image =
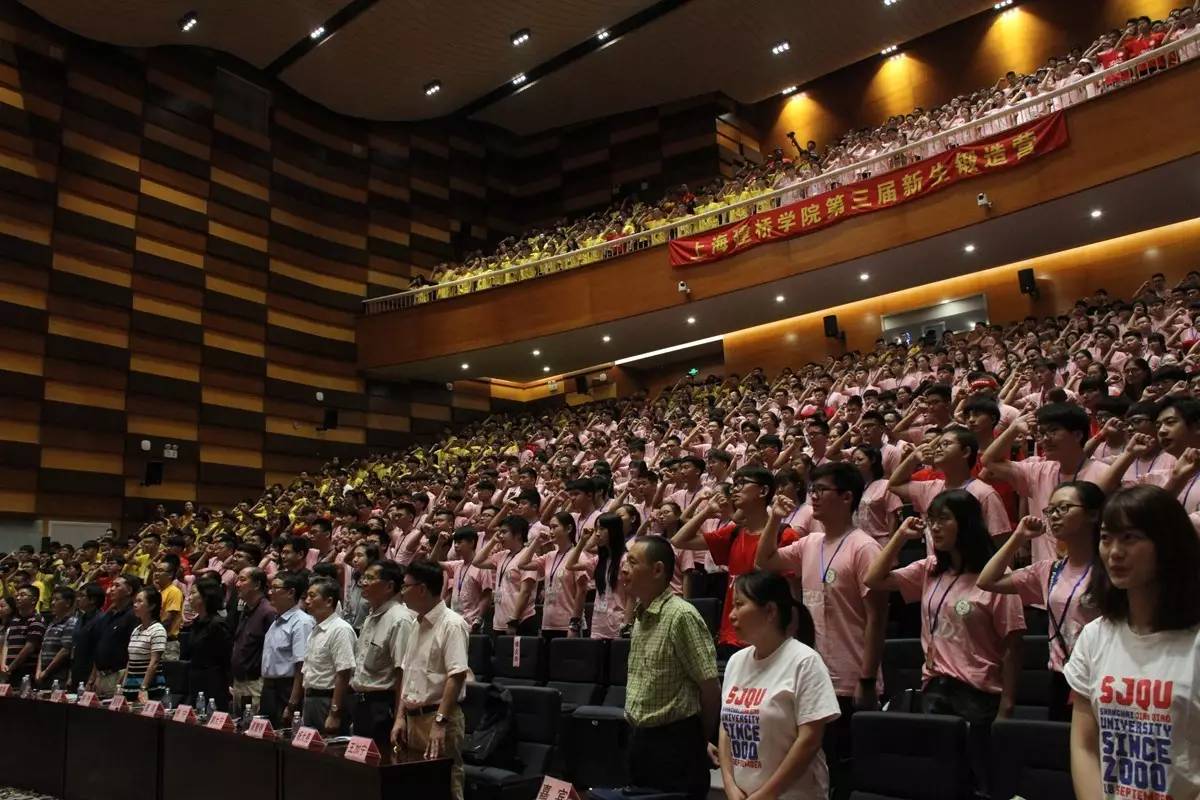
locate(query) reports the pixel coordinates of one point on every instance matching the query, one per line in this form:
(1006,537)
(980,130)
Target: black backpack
(493,743)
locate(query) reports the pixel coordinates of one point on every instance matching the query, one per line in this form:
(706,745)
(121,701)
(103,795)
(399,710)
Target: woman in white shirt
(1135,671)
(147,644)
(776,699)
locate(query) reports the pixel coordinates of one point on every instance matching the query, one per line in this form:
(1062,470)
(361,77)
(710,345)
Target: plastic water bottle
(296,723)
(212,708)
(55,686)
(201,708)
(247,716)
(80,689)
(166,699)
(26,687)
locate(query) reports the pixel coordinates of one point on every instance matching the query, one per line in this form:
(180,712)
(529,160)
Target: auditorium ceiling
(377,56)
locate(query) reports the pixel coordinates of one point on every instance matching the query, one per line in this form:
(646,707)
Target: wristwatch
(440,718)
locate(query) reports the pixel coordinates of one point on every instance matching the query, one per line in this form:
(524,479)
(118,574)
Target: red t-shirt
(737,553)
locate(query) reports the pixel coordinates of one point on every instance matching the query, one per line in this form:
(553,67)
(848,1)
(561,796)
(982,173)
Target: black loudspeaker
(154,474)
(581,384)
(331,419)
(831,327)
(1027,282)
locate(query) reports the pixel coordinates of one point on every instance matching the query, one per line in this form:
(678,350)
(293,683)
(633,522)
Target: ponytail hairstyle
(764,588)
(608,565)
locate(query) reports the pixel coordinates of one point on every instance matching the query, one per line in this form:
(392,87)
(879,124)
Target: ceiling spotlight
(520,37)
(970,248)
(1003,4)
(691,320)
(545,369)
(466,365)
(537,352)
(1097,213)
(432,88)
(887,51)
(781,48)
(779,298)
(789,90)
(864,276)
(606,338)
(188,21)
(318,32)
(518,79)
(603,35)
(890,2)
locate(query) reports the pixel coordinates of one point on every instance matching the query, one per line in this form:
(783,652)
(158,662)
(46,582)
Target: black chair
(473,704)
(901,756)
(175,674)
(599,735)
(537,712)
(532,668)
(1033,684)
(902,662)
(710,609)
(479,656)
(1031,759)
(618,674)
(577,670)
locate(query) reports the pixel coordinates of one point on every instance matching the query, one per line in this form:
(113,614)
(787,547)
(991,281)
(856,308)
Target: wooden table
(112,755)
(309,776)
(33,745)
(202,764)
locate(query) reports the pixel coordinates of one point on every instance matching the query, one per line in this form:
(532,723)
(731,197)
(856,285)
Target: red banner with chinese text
(1003,151)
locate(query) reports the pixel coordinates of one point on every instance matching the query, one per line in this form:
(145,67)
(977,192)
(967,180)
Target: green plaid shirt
(671,654)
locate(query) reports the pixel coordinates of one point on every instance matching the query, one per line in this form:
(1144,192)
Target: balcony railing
(1095,85)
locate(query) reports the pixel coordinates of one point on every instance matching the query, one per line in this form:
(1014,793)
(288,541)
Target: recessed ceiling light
(864,276)
(545,369)
(520,37)
(432,88)
(1097,213)
(603,35)
(466,366)
(537,352)
(887,51)
(890,2)
(970,248)
(691,320)
(779,298)
(518,79)
(789,89)
(188,21)
(781,48)
(606,338)
(318,32)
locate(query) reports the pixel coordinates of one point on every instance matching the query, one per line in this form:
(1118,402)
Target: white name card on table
(554,789)
(89,700)
(220,721)
(185,714)
(308,739)
(362,749)
(260,728)
(5,690)
(118,703)
(58,696)
(153,708)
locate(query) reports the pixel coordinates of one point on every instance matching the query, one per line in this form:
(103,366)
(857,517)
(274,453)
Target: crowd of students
(977,114)
(1043,470)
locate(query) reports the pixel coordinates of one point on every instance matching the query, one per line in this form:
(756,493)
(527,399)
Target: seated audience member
(283,650)
(1141,653)
(777,698)
(143,679)
(208,648)
(329,660)
(971,638)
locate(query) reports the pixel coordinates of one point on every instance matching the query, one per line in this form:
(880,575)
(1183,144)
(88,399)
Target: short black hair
(659,550)
(427,574)
(296,584)
(1067,416)
(390,571)
(845,477)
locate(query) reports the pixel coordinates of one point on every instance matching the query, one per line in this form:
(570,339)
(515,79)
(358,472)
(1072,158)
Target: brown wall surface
(1118,265)
(969,55)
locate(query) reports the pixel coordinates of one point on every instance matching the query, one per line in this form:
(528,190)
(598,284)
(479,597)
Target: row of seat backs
(924,757)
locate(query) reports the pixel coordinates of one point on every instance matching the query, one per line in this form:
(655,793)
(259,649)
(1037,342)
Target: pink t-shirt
(1160,461)
(1035,479)
(801,520)
(1063,589)
(875,510)
(508,586)
(468,588)
(994,515)
(561,589)
(962,627)
(1189,495)
(892,456)
(838,606)
(608,609)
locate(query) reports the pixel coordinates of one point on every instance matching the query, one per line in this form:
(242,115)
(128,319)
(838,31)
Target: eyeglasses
(818,488)
(1059,510)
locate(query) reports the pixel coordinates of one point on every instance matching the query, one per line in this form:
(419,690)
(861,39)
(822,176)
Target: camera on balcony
(982,200)
(684,288)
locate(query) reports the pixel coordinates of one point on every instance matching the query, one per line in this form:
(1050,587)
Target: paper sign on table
(308,739)
(5,690)
(118,703)
(363,750)
(153,708)
(89,700)
(220,721)
(184,714)
(260,728)
(58,696)
(554,789)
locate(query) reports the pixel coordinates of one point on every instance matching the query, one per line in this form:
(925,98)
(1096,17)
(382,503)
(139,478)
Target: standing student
(972,638)
(604,565)
(1135,725)
(468,589)
(876,512)
(514,588)
(1061,585)
(328,661)
(777,699)
(673,698)
(559,606)
(429,717)
(380,651)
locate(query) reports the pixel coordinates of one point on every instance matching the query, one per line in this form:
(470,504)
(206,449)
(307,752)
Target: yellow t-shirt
(172,600)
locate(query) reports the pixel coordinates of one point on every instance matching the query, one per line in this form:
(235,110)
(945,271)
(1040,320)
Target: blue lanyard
(1138,473)
(1188,491)
(826,567)
(1057,625)
(554,569)
(937,611)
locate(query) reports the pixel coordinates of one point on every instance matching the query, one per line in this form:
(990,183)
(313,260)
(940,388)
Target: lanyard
(462,577)
(1075,476)
(827,568)
(554,569)
(504,567)
(1057,625)
(1137,473)
(937,610)
(1188,491)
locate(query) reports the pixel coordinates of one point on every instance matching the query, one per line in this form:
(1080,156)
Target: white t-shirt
(1145,694)
(763,703)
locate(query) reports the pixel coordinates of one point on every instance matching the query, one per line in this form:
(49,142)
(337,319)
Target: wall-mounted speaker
(153,475)
(581,384)
(831,327)
(1027,282)
(330,420)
